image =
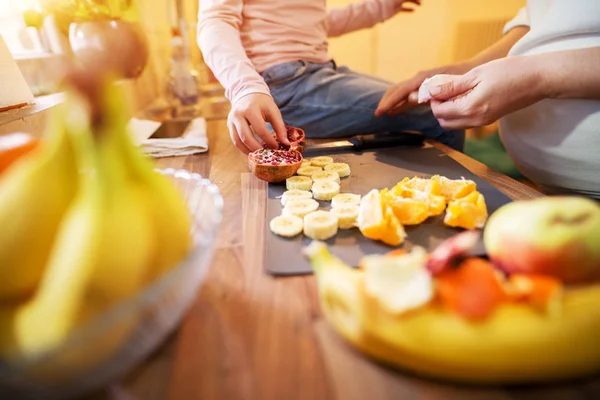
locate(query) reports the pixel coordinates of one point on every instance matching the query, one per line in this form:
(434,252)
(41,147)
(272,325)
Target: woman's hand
(248,116)
(486,93)
(403,95)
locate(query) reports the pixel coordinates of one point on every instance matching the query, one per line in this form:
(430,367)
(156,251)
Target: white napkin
(192,141)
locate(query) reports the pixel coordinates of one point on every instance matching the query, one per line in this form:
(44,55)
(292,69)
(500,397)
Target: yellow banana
(169,212)
(517,344)
(34,195)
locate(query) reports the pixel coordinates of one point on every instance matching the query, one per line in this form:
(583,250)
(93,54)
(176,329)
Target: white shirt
(556,143)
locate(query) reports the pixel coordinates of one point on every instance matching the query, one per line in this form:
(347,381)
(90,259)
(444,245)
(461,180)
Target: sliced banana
(342,169)
(300,207)
(286,225)
(298,182)
(321,161)
(325,176)
(308,171)
(305,163)
(320,225)
(347,215)
(295,194)
(345,199)
(325,190)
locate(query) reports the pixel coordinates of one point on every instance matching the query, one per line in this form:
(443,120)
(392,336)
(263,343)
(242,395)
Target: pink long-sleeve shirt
(241,38)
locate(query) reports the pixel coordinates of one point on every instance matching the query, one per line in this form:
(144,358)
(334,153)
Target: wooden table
(251,336)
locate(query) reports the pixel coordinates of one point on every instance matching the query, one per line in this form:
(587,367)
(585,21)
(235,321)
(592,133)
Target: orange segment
(453,189)
(473,290)
(542,292)
(377,221)
(408,211)
(423,190)
(469,212)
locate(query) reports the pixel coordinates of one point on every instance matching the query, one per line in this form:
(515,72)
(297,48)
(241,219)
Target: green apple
(557,236)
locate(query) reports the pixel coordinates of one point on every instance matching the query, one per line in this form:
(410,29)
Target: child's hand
(249,116)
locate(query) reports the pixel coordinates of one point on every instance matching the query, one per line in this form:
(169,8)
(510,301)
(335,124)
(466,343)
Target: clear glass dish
(114,342)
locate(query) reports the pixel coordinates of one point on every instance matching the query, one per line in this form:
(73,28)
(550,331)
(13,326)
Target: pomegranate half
(274,165)
(297,139)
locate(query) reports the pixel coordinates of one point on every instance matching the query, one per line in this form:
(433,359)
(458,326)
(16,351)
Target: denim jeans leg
(327,101)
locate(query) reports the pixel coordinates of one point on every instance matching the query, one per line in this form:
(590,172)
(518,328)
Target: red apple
(557,236)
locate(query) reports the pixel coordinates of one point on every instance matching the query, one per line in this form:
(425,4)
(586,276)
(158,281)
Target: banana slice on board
(300,207)
(345,199)
(308,171)
(325,190)
(298,182)
(342,169)
(295,194)
(325,176)
(286,225)
(347,215)
(320,225)
(321,161)
(305,163)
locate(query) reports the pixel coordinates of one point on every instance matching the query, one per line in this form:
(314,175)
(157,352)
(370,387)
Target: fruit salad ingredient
(342,169)
(325,176)
(27,223)
(347,215)
(321,161)
(398,282)
(452,251)
(300,207)
(274,165)
(467,212)
(556,236)
(308,171)
(408,211)
(345,199)
(540,291)
(432,340)
(298,182)
(453,189)
(320,225)
(286,225)
(377,221)
(474,289)
(325,190)
(295,194)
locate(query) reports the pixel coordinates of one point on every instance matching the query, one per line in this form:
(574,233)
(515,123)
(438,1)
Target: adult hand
(403,95)
(249,116)
(486,93)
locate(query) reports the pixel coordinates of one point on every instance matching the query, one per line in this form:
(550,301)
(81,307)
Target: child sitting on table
(272,59)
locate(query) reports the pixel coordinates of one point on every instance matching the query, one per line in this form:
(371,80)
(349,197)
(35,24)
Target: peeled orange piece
(408,211)
(377,221)
(541,291)
(473,290)
(424,190)
(469,212)
(453,189)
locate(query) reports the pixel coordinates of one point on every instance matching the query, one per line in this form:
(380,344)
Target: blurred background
(438,32)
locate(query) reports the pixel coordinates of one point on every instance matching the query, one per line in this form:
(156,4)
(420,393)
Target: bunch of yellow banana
(387,310)
(86,223)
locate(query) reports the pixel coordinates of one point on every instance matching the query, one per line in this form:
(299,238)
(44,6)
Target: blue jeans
(329,101)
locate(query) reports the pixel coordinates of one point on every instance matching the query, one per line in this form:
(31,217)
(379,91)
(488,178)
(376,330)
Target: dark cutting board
(376,169)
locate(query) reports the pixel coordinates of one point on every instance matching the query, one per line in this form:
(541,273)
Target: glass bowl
(111,344)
